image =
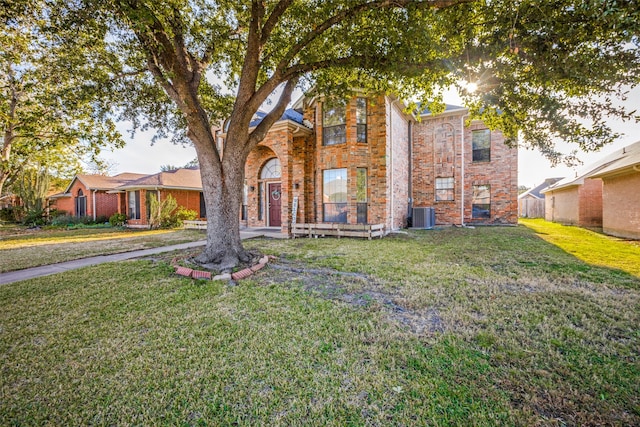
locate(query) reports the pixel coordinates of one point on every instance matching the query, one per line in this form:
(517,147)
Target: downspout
(462,190)
(410,158)
(94,205)
(391,158)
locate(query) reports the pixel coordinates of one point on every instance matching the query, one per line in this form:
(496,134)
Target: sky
(140,156)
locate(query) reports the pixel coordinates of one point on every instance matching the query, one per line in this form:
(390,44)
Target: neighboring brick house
(90,195)
(621,193)
(367,161)
(184,185)
(581,201)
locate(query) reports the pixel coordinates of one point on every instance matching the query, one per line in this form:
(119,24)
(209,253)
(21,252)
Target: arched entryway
(81,204)
(270,187)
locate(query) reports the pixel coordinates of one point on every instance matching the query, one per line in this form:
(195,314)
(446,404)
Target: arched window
(271,169)
(81,204)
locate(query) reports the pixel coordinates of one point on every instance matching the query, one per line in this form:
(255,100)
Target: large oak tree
(49,116)
(544,69)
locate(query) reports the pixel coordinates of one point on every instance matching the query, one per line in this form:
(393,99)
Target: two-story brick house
(367,161)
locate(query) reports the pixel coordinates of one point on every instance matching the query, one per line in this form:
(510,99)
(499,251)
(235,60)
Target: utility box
(424,218)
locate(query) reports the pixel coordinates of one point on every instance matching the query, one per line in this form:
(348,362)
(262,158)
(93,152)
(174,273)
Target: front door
(274,196)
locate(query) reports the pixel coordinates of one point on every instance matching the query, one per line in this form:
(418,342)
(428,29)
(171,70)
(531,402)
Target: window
(481,141)
(245,201)
(260,202)
(334,197)
(203,206)
(134,204)
(444,189)
(81,204)
(361,195)
(334,125)
(271,169)
(481,202)
(361,120)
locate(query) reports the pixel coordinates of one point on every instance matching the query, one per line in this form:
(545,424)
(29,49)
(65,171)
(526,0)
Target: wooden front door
(274,195)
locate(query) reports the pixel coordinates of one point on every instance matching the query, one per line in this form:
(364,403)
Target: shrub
(184,214)
(34,218)
(102,219)
(117,219)
(6,214)
(162,212)
(69,220)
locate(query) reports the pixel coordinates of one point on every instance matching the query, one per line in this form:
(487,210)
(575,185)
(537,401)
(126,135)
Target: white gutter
(94,205)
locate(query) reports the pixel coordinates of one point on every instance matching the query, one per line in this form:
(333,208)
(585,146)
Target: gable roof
(448,108)
(178,179)
(537,191)
(628,161)
(614,161)
(103,182)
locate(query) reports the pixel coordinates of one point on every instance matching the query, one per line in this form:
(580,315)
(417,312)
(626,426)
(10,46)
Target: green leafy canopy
(545,70)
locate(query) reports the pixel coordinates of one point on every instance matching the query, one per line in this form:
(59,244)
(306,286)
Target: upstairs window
(361,120)
(444,189)
(481,141)
(334,124)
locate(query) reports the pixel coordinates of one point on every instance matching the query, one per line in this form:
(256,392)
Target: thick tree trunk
(222,183)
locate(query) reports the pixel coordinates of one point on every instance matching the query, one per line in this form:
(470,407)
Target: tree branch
(274,115)
(350,13)
(273,19)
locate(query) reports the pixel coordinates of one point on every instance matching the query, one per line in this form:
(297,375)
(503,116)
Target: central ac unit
(424,218)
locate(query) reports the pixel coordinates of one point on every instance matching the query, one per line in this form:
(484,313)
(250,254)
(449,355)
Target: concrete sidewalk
(46,270)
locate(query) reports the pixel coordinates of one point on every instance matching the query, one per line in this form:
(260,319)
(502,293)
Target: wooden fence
(338,230)
(531,208)
(195,225)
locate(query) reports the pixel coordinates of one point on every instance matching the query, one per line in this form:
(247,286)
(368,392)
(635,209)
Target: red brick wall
(106,204)
(398,173)
(590,203)
(621,206)
(65,204)
(353,155)
(438,153)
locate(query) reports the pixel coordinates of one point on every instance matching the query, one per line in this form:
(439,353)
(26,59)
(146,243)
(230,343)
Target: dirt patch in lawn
(357,290)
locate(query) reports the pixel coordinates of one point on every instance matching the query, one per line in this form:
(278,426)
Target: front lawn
(24,249)
(485,326)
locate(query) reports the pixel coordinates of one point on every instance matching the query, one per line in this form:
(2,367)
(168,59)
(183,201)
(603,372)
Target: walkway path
(45,270)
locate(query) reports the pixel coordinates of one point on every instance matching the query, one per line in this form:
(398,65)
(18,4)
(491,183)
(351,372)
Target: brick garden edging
(238,275)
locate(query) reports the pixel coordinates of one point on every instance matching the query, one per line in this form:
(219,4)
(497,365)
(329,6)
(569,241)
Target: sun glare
(472,87)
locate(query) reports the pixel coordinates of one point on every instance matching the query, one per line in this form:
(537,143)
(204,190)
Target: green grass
(589,246)
(486,326)
(19,250)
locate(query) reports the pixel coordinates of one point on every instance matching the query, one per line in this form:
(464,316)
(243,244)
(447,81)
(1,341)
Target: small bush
(6,214)
(70,220)
(102,219)
(184,214)
(34,218)
(117,219)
